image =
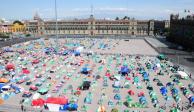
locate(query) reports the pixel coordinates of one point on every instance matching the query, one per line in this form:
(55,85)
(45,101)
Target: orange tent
(3,80)
(101,109)
(1,101)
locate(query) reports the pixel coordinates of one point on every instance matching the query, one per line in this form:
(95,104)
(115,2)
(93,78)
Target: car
(27,94)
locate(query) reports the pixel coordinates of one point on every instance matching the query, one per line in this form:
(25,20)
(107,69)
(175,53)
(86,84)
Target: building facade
(5,27)
(90,26)
(18,27)
(12,27)
(182,31)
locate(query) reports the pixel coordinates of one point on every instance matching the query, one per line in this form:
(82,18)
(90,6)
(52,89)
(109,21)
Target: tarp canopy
(38,102)
(57,100)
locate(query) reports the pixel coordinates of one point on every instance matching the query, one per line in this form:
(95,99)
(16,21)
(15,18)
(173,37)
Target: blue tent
(145,75)
(174,91)
(17,89)
(142,100)
(163,91)
(1,85)
(124,70)
(8,50)
(88,100)
(85,70)
(117,97)
(69,107)
(191,99)
(76,53)
(2,67)
(65,52)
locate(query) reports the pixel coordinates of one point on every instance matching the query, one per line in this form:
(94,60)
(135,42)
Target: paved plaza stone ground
(108,54)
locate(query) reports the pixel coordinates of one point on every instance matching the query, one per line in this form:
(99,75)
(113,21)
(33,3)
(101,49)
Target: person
(190,76)
(46,107)
(22,107)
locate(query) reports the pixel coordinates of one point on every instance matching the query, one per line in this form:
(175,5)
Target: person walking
(22,108)
(190,75)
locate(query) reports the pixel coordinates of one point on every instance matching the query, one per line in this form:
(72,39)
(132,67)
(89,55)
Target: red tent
(38,102)
(140,94)
(57,100)
(36,61)
(131,92)
(108,74)
(127,78)
(25,71)
(10,66)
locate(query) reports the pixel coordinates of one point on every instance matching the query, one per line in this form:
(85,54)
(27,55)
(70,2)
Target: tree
(166,31)
(125,17)
(28,35)
(117,18)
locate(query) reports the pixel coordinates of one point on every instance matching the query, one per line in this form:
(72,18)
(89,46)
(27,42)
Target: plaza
(124,74)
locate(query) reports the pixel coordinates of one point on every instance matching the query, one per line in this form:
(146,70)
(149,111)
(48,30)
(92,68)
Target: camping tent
(9,67)
(69,107)
(163,91)
(3,80)
(124,70)
(101,109)
(182,74)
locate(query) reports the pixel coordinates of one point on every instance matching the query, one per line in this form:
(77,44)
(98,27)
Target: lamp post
(56,27)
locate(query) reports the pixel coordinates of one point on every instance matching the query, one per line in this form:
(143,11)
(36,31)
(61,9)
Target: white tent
(182,74)
(36,96)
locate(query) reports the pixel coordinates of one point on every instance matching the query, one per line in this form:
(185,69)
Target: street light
(56,18)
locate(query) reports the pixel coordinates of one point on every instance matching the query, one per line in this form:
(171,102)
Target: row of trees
(124,18)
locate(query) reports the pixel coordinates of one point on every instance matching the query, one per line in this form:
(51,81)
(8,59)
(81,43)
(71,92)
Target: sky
(139,9)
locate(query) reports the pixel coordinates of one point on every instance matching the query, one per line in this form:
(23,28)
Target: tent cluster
(41,73)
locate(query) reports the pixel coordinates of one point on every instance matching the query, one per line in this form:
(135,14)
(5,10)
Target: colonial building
(90,26)
(182,31)
(17,27)
(9,27)
(5,27)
